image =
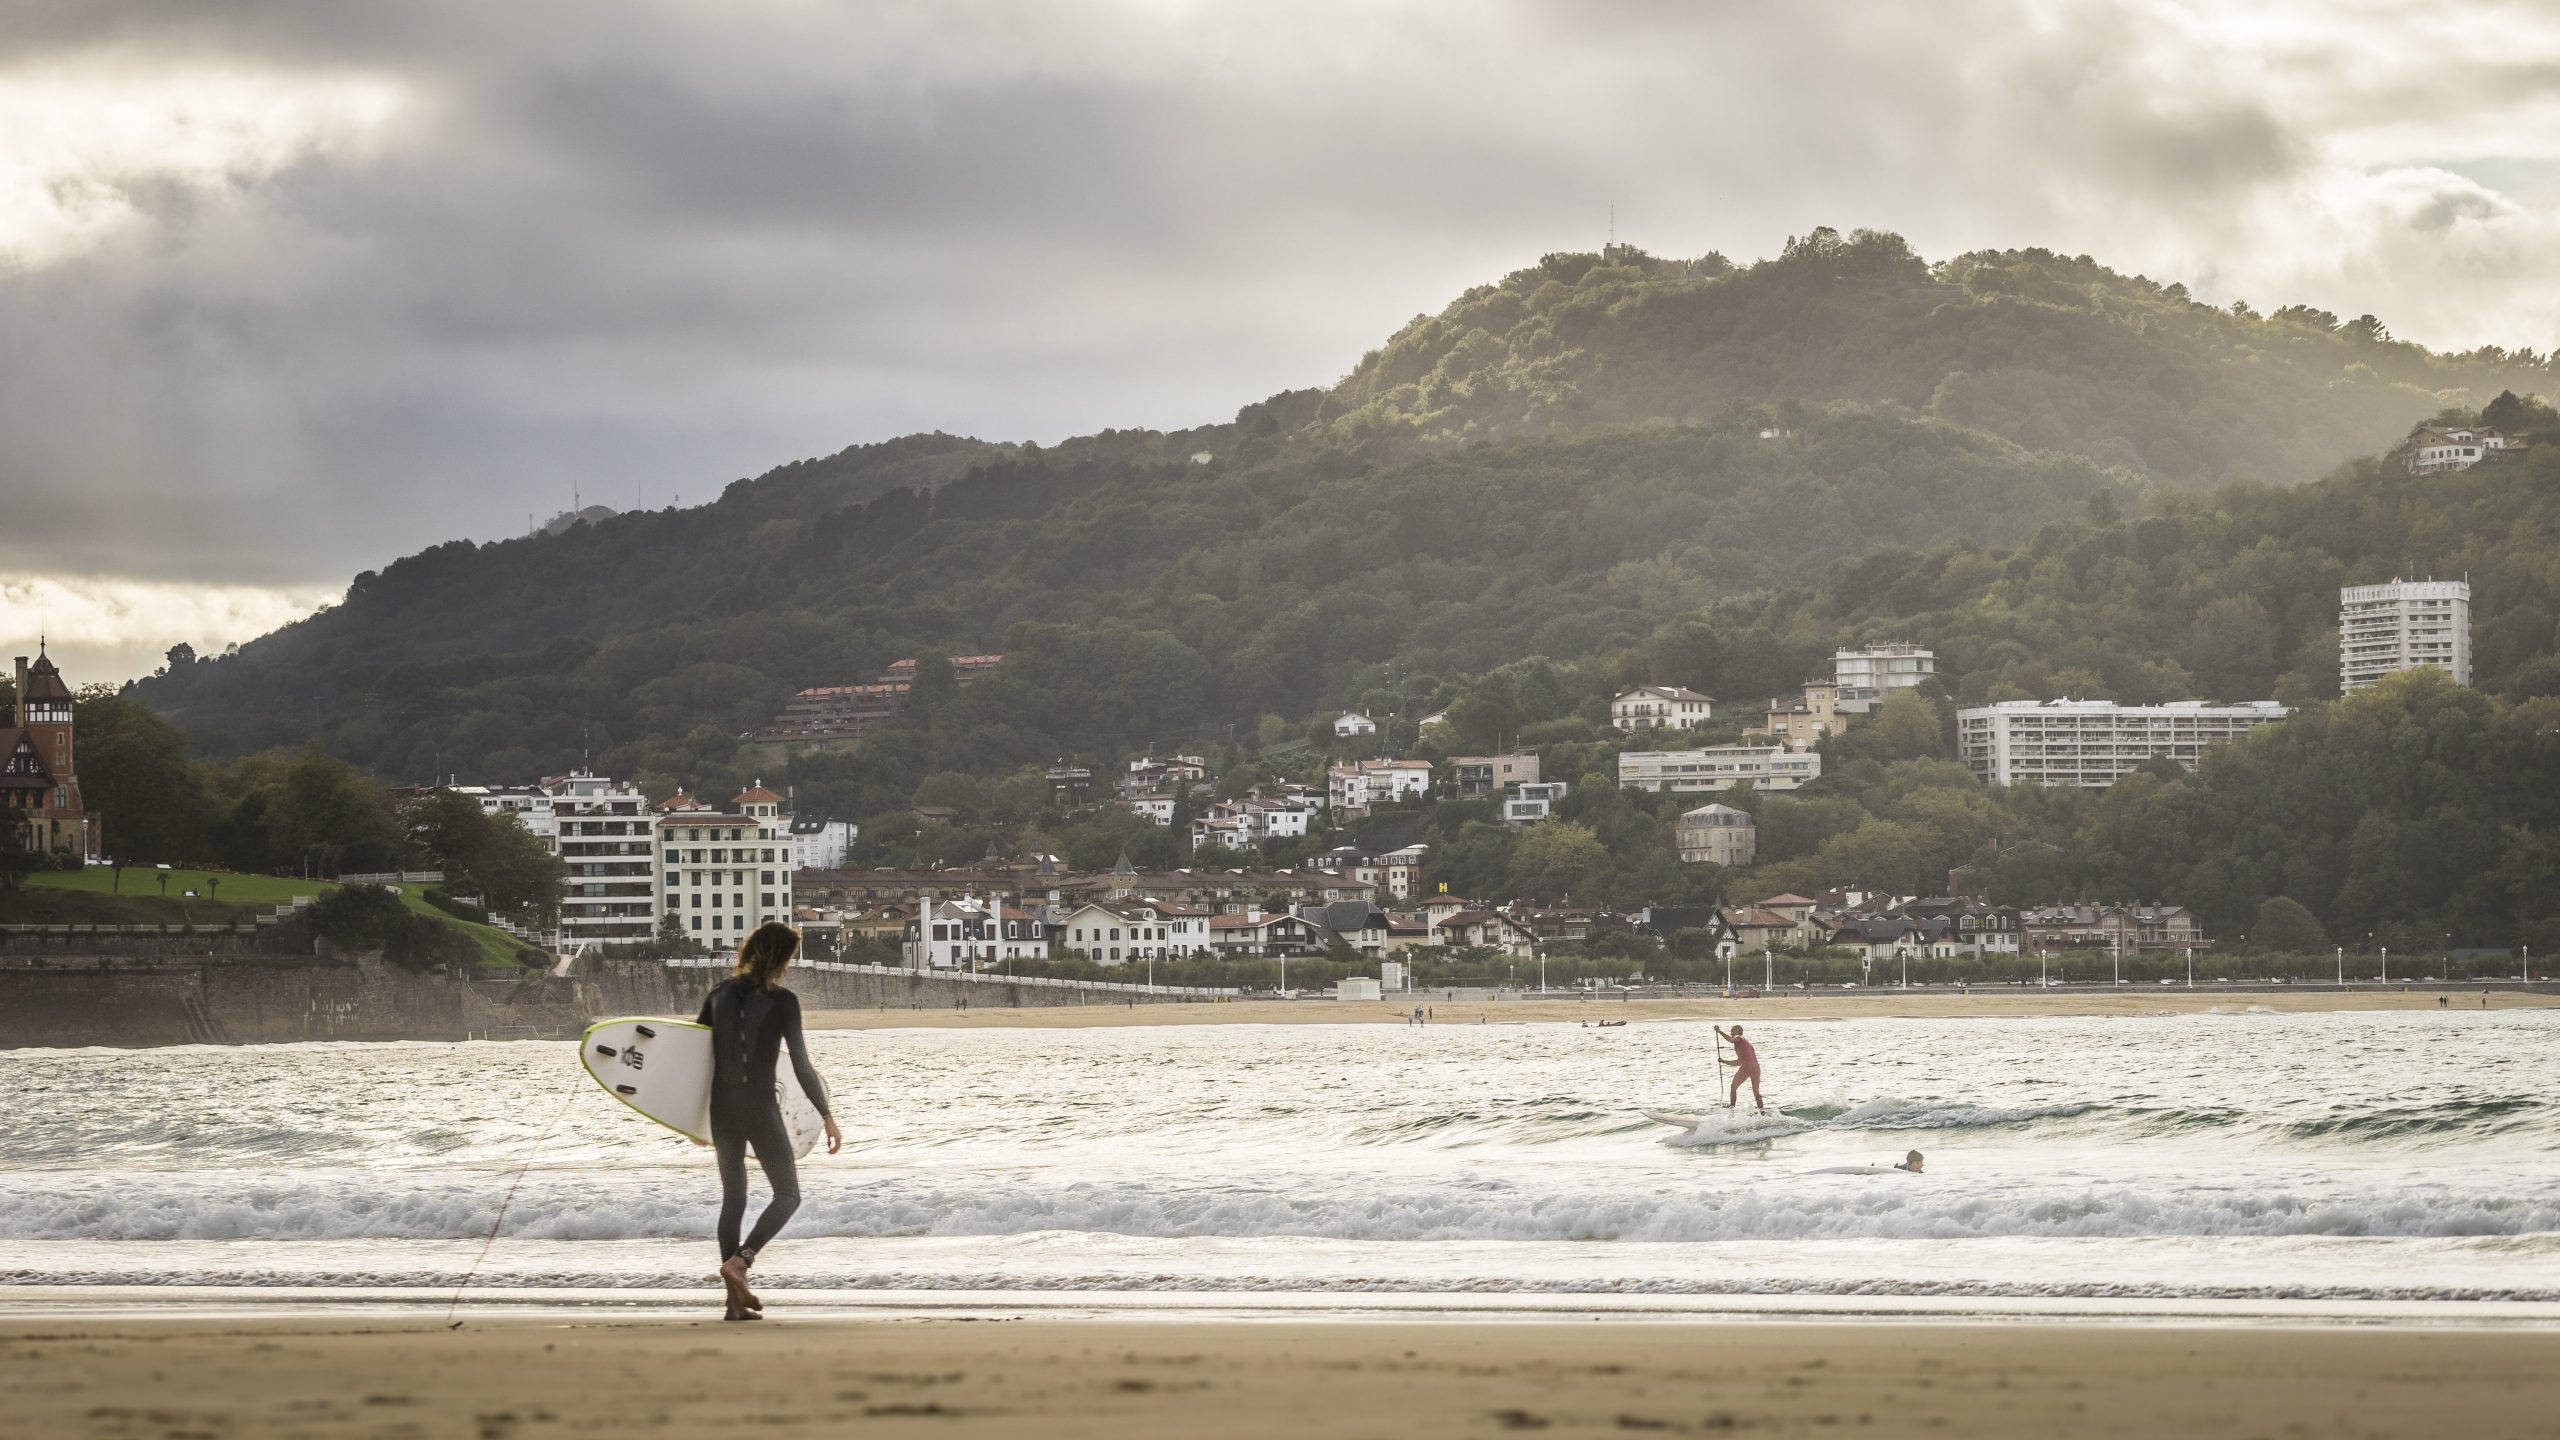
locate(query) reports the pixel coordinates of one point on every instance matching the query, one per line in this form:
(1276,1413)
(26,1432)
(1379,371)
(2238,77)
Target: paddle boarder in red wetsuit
(1746,1066)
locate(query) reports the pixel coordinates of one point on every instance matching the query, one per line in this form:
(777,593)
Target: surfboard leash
(568,1094)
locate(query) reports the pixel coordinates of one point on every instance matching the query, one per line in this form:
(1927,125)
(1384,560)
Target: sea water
(2398,1158)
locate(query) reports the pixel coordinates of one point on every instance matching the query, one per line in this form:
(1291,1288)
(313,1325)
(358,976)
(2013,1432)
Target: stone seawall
(646,987)
(232,1000)
(122,1000)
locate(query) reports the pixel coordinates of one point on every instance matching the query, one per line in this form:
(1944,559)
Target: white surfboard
(662,1068)
(1674,1117)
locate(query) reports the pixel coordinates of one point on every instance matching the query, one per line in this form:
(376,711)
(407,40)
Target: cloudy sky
(289,290)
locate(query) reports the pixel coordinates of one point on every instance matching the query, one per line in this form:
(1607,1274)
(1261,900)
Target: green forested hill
(1641,469)
(2051,351)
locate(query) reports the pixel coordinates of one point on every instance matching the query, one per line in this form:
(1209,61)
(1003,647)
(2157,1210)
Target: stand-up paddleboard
(662,1068)
(1674,1117)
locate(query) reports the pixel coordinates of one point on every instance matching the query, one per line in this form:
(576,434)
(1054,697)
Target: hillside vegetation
(1557,464)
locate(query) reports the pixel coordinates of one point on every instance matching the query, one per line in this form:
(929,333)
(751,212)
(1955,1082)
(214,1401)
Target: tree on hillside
(157,805)
(2285,928)
(1908,727)
(1556,859)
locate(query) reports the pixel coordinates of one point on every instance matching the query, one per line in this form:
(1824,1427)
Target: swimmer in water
(1910,1162)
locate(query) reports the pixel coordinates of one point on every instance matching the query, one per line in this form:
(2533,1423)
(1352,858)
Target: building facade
(2094,743)
(818,843)
(1478,775)
(1532,803)
(1717,835)
(1352,789)
(1660,707)
(1800,724)
(602,829)
(721,874)
(2401,626)
(1863,677)
(2438,448)
(39,767)
(1718,767)
(974,934)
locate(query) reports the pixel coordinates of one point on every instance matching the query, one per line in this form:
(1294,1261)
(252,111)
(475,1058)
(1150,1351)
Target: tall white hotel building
(2401,626)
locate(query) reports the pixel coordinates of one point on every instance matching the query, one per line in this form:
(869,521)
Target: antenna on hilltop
(1613,228)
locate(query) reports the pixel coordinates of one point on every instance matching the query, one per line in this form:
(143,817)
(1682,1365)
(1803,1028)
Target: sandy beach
(521,1377)
(1567,1009)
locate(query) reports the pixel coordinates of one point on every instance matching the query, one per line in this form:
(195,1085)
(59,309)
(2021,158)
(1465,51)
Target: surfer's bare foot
(733,1273)
(736,1311)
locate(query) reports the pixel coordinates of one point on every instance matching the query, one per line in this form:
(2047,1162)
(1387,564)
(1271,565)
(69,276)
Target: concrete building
(1532,803)
(602,829)
(2094,743)
(2401,626)
(1478,775)
(1718,767)
(1800,724)
(1862,678)
(818,843)
(1352,788)
(530,804)
(1660,707)
(723,874)
(1347,726)
(1717,835)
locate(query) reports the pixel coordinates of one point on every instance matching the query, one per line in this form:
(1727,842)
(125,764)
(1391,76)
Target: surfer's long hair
(763,955)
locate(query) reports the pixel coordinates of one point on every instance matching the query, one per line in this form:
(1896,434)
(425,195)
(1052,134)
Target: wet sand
(1566,1009)
(1132,1379)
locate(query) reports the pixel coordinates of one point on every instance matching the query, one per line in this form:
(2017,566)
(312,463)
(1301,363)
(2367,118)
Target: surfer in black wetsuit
(751,1017)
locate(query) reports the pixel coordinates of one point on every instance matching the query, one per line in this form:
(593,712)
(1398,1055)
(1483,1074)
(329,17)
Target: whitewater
(2401,1157)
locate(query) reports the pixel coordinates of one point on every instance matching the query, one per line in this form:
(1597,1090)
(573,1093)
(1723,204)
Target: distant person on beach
(751,1018)
(1910,1162)
(1746,1066)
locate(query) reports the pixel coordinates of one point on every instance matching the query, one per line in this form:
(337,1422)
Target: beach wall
(242,1000)
(238,998)
(650,987)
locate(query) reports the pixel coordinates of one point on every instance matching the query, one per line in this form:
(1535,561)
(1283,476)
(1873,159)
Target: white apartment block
(1718,767)
(530,804)
(2094,743)
(1352,789)
(601,830)
(1660,707)
(722,875)
(820,844)
(2401,626)
(1861,678)
(973,934)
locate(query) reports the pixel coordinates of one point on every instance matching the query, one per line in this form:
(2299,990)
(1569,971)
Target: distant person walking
(1746,1066)
(751,1018)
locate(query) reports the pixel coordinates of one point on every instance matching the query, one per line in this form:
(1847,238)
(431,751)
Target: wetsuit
(748,1028)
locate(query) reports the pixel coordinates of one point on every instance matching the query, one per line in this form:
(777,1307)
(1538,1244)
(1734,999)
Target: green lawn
(90,897)
(251,890)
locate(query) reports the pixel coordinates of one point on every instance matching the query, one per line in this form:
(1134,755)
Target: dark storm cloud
(461,257)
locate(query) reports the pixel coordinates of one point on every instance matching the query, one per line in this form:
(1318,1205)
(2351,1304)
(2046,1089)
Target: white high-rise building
(1863,677)
(2401,626)
(601,829)
(2094,743)
(721,875)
